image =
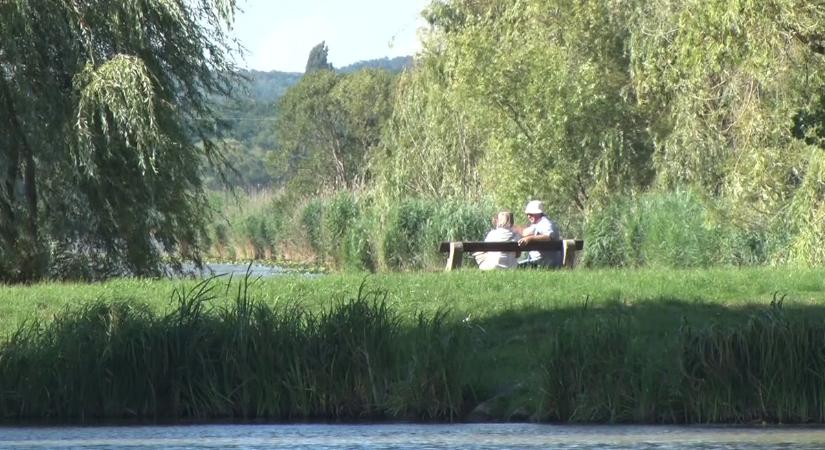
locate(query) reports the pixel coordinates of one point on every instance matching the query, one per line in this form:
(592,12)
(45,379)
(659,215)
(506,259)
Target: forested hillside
(249,118)
(267,87)
(395,65)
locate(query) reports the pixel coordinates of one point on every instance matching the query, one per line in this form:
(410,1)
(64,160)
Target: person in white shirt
(541,228)
(502,232)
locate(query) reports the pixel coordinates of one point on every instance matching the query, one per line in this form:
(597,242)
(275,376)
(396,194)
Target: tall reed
(601,369)
(243,359)
(605,368)
(771,369)
(245,225)
(674,229)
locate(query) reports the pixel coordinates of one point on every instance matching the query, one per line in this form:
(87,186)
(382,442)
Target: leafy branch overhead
(101,101)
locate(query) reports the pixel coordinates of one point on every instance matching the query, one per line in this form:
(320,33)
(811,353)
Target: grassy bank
(722,345)
(467,292)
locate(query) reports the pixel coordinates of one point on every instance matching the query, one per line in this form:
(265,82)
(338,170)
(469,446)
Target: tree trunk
(25,250)
(8,219)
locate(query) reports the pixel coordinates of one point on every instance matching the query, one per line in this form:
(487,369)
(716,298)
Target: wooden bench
(456,249)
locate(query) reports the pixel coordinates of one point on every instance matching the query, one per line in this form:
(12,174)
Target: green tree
(527,98)
(317,59)
(575,101)
(728,79)
(435,138)
(327,126)
(99,102)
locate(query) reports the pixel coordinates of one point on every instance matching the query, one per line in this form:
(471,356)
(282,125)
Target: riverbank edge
(611,381)
(627,348)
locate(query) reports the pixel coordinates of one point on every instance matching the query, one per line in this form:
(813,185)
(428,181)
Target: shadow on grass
(659,360)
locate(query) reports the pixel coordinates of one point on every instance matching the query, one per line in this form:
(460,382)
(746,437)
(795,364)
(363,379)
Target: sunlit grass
(245,359)
(465,293)
(582,345)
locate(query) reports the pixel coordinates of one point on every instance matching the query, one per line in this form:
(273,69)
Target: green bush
(456,220)
(354,232)
(405,225)
(311,217)
(338,216)
(359,245)
(612,236)
(412,230)
(675,231)
(671,229)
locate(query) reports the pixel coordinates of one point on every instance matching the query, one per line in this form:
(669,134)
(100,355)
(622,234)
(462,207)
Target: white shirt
(544,227)
(498,260)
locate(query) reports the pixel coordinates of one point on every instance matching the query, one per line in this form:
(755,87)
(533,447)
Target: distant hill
(250,118)
(396,64)
(268,87)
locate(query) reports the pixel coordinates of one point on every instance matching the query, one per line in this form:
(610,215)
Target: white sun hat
(534,207)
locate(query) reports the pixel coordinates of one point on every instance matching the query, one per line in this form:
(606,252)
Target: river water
(410,436)
(236,270)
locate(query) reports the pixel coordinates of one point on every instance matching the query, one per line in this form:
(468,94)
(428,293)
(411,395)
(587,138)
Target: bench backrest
(509,246)
(456,249)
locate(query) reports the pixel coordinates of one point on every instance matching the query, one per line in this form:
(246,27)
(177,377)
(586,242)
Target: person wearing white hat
(541,228)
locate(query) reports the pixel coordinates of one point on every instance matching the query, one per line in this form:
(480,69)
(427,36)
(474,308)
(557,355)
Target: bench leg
(569,260)
(456,255)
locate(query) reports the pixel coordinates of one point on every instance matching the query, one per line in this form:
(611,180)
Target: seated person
(541,228)
(502,232)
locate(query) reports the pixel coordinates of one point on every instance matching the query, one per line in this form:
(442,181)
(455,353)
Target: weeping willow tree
(520,99)
(737,85)
(105,117)
(578,102)
(434,141)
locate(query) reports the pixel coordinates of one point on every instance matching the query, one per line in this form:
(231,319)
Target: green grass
(634,325)
(466,293)
(245,359)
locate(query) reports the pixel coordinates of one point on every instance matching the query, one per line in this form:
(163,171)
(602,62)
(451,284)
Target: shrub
(670,229)
(311,217)
(338,216)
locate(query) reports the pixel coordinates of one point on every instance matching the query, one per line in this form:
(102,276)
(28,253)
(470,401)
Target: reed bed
(766,366)
(690,346)
(246,360)
(359,231)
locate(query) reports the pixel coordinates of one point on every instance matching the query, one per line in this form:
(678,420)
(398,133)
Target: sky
(278,34)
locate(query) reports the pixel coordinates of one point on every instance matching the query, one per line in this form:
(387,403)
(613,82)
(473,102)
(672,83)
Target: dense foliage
(99,102)
(697,122)
(584,103)
(251,116)
(675,133)
(329,123)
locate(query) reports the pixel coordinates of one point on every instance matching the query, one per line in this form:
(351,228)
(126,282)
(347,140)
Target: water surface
(225,269)
(411,436)
(255,270)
